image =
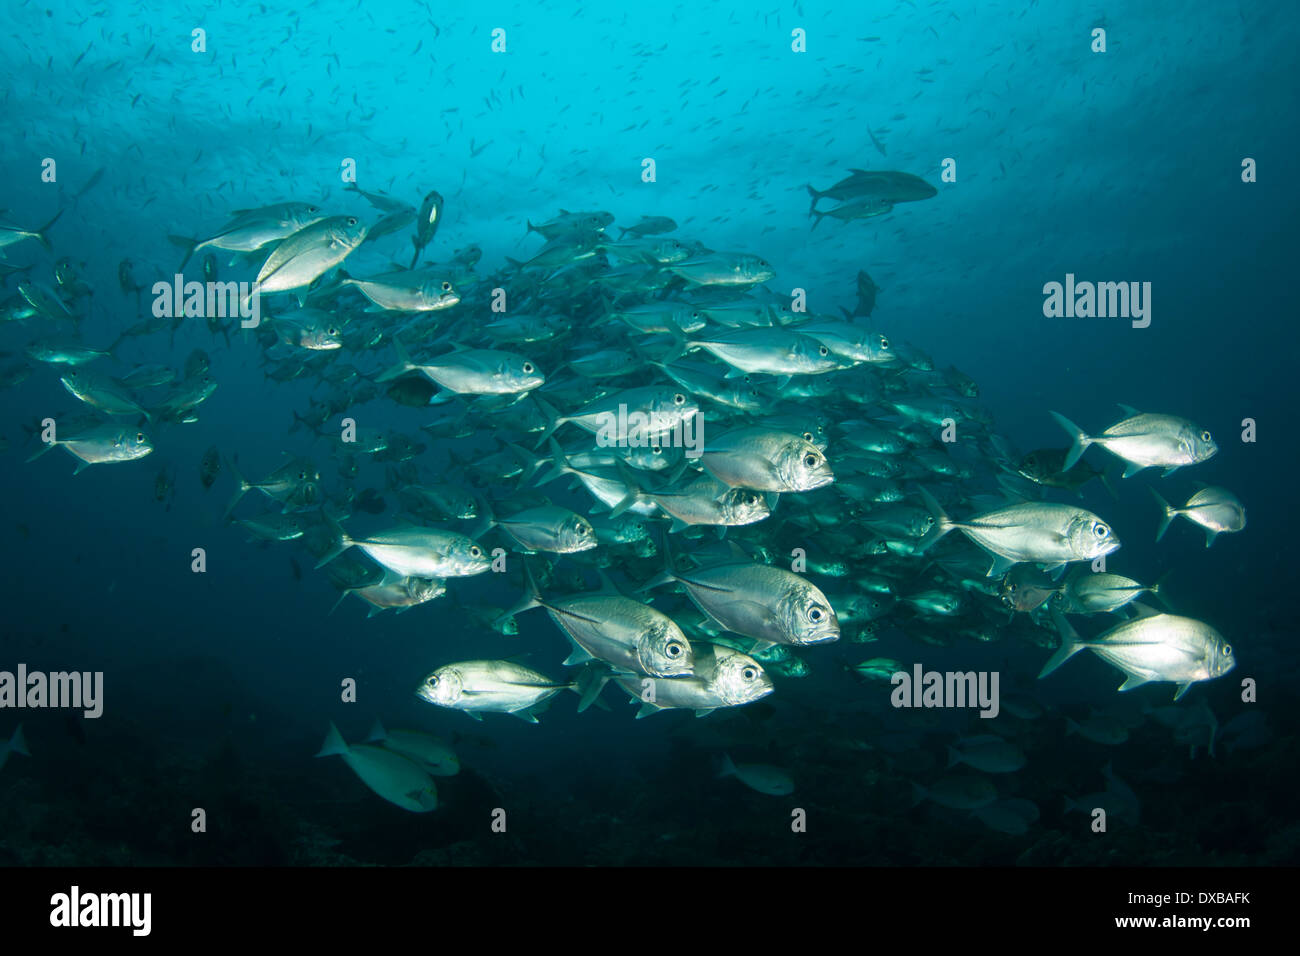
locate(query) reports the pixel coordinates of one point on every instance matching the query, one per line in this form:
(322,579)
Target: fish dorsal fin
(1128,409)
(1142,610)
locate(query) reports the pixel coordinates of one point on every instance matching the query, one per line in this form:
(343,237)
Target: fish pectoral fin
(1170,471)
(1183,689)
(1131,469)
(705,711)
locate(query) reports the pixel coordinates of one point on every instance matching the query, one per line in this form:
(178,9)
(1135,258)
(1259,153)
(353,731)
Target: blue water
(1123,165)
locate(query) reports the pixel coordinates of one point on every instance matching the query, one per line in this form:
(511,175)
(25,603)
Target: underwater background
(1122,165)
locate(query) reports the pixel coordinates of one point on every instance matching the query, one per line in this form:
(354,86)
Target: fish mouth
(821,637)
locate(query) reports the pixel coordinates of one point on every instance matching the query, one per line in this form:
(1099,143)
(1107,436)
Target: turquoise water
(1048,159)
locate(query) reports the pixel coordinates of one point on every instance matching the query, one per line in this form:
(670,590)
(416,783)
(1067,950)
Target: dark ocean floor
(123,799)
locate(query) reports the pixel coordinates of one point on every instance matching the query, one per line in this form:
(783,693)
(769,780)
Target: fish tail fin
(1077,434)
(1105,480)
(1155,589)
(817,221)
(334,745)
(559,464)
(954,757)
(404,363)
(1070,645)
(17,742)
(589,684)
(41,236)
(669,573)
(552,419)
(241,488)
(341,542)
(725,767)
(45,447)
(1166,517)
(815,196)
(377,732)
(633,490)
(532,598)
(185,243)
(680,345)
(342,596)
(942,524)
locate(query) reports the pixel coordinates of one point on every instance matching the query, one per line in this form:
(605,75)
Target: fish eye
(679,399)
(815,614)
(333,331)
(749,673)
(139,436)
(884,343)
(810,461)
(528,367)
(1205,436)
(674,649)
(808,436)
(1100,530)
(302,476)
(432,681)
(352,221)
(656,450)
(313,209)
(446,287)
(823,351)
(475,551)
(1227,649)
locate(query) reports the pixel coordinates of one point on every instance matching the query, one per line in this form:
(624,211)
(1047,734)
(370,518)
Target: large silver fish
(1144,440)
(1152,647)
